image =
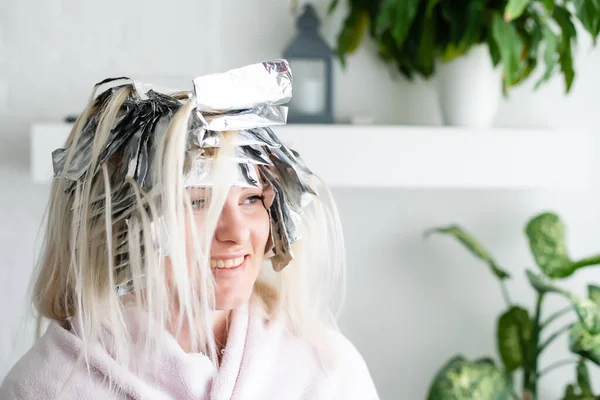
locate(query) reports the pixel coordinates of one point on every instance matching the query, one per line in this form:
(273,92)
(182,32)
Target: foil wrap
(268,83)
(248,101)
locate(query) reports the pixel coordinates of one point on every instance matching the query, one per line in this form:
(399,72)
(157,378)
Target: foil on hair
(247,101)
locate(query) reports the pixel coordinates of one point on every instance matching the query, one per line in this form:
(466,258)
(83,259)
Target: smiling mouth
(227,264)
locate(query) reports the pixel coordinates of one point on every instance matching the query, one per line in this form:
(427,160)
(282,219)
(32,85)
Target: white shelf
(411,157)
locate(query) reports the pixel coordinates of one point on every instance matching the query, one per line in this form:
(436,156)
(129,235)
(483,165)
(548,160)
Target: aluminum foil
(247,100)
(255,117)
(266,84)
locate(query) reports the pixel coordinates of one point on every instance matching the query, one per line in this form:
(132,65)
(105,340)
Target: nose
(232,227)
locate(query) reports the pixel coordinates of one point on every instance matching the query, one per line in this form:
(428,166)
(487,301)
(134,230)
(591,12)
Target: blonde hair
(91,244)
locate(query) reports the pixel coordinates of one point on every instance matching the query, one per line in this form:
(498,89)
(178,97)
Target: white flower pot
(469,89)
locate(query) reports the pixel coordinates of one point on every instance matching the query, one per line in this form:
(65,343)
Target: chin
(229,297)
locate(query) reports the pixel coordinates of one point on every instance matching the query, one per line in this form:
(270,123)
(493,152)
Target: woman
(167,212)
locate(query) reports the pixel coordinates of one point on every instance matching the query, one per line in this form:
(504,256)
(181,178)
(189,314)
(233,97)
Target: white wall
(411,304)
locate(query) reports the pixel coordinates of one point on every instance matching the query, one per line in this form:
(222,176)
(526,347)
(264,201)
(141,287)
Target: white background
(411,303)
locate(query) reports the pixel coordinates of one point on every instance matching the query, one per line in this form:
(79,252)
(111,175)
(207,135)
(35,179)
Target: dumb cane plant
(519,334)
(414,34)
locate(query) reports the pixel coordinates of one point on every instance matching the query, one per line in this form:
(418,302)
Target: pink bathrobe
(261,361)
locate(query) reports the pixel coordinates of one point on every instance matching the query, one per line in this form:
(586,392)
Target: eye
(253,199)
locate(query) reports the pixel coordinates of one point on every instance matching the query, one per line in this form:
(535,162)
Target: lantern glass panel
(309,86)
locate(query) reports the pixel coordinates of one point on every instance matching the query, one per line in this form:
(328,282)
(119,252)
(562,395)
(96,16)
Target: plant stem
(554,336)
(593,260)
(530,374)
(556,365)
(505,293)
(556,315)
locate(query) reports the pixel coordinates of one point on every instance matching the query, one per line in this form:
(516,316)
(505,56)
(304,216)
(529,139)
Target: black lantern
(311,61)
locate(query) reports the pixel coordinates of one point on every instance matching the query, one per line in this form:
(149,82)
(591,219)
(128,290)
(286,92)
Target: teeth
(231,263)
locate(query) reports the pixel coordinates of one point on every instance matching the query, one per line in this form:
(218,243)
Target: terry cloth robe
(260,361)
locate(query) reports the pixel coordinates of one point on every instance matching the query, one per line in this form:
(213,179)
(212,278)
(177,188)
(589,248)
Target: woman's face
(238,246)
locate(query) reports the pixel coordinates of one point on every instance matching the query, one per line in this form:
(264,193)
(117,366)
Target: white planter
(469,89)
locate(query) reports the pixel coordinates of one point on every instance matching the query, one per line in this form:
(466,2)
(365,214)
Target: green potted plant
(519,332)
(480,48)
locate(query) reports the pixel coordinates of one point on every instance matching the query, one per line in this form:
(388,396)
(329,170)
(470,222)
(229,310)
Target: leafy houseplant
(414,34)
(519,334)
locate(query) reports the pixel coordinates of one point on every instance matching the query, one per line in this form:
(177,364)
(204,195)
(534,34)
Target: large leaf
(352,32)
(594,293)
(471,35)
(566,63)
(550,54)
(588,13)
(405,14)
(546,234)
(472,245)
(514,9)
(494,50)
(426,52)
(510,46)
(514,332)
(587,311)
(397,16)
(461,379)
(385,17)
(584,343)
(583,379)
(563,18)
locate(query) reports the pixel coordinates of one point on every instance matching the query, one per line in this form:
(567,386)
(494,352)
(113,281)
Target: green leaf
(494,50)
(550,54)
(461,379)
(566,64)
(514,332)
(589,15)
(430,6)
(583,379)
(587,311)
(332,6)
(352,33)
(471,34)
(584,343)
(385,17)
(426,50)
(594,294)
(472,245)
(563,18)
(549,4)
(510,46)
(541,283)
(514,9)
(570,393)
(405,14)
(546,235)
